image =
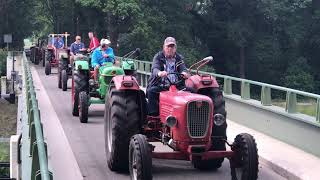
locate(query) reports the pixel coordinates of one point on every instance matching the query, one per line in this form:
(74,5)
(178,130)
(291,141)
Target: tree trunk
(113,32)
(242,62)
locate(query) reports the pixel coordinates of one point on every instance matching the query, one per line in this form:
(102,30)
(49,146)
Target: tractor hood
(193,114)
(172,103)
(110,70)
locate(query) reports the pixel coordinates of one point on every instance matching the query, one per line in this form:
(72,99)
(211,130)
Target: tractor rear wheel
(36,56)
(244,165)
(80,83)
(83,107)
(47,69)
(140,160)
(122,121)
(59,77)
(64,80)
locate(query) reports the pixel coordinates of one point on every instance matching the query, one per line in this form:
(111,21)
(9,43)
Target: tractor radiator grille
(198,118)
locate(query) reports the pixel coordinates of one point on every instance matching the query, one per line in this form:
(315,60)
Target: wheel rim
(134,166)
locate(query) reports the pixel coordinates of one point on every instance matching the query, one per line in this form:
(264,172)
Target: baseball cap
(169,40)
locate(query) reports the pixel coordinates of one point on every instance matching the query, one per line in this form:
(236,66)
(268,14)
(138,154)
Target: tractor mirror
(137,52)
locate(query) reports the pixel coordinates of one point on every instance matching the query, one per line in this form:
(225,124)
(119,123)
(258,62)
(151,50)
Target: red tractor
(192,123)
(54,54)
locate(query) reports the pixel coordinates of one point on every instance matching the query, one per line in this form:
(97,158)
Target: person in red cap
(94,42)
(164,62)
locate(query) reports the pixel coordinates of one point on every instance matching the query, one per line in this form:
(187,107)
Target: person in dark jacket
(164,62)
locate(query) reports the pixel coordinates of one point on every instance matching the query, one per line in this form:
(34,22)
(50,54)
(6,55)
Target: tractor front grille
(198,118)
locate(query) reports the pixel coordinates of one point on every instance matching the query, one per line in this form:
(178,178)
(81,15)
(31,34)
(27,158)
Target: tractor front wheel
(79,83)
(122,121)
(47,69)
(244,165)
(83,106)
(64,80)
(140,160)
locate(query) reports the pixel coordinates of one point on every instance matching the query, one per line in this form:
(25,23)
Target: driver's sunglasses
(79,39)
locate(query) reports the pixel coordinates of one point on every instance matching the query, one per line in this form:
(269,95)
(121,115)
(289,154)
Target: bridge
(52,144)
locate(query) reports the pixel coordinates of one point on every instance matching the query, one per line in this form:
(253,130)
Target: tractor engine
(187,120)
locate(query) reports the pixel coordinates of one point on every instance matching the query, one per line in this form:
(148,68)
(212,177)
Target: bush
(4,157)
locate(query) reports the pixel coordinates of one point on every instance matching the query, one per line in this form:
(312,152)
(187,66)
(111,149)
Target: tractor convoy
(191,122)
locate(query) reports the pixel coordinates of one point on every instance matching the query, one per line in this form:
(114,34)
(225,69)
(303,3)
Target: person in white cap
(102,54)
(164,62)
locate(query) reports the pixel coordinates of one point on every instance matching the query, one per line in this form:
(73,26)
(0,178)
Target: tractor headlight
(219,119)
(171,121)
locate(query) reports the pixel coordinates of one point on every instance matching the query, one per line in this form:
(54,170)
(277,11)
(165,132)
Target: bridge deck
(87,143)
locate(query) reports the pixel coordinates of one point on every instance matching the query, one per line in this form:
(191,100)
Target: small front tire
(244,165)
(83,107)
(140,160)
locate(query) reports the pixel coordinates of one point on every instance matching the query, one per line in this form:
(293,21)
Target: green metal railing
(38,148)
(144,69)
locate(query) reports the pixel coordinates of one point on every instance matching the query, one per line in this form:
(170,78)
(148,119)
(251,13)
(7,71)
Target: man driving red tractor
(164,62)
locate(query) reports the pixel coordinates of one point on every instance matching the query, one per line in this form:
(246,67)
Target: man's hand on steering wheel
(180,78)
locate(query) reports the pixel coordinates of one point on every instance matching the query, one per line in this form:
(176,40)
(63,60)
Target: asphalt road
(87,143)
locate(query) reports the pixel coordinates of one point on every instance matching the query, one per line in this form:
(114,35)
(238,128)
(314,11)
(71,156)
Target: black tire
(32,54)
(47,68)
(122,121)
(83,106)
(140,160)
(81,83)
(64,80)
(36,57)
(244,165)
(218,132)
(59,78)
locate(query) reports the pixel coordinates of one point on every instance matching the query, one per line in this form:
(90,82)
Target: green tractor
(86,91)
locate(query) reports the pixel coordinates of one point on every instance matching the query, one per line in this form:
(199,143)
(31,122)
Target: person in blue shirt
(102,54)
(76,47)
(58,42)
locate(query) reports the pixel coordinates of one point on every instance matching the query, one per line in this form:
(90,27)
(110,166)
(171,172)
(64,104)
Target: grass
(8,118)
(308,108)
(4,157)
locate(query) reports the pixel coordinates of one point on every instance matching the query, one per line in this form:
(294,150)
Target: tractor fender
(123,82)
(81,65)
(197,82)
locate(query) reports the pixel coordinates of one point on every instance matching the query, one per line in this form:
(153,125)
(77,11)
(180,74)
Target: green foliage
(266,37)
(4,157)
(3,62)
(298,75)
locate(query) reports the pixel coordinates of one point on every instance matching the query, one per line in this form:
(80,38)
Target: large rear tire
(64,80)
(47,69)
(244,165)
(81,83)
(83,107)
(122,121)
(218,132)
(140,159)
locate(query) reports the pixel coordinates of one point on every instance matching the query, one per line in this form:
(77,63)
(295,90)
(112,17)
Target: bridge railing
(38,148)
(144,72)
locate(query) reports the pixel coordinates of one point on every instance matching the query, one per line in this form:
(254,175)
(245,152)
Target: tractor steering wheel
(180,79)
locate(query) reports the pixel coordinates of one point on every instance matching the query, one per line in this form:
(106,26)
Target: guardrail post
(318,110)
(227,86)
(245,90)
(266,96)
(291,102)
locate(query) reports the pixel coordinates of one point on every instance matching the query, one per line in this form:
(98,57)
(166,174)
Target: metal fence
(38,148)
